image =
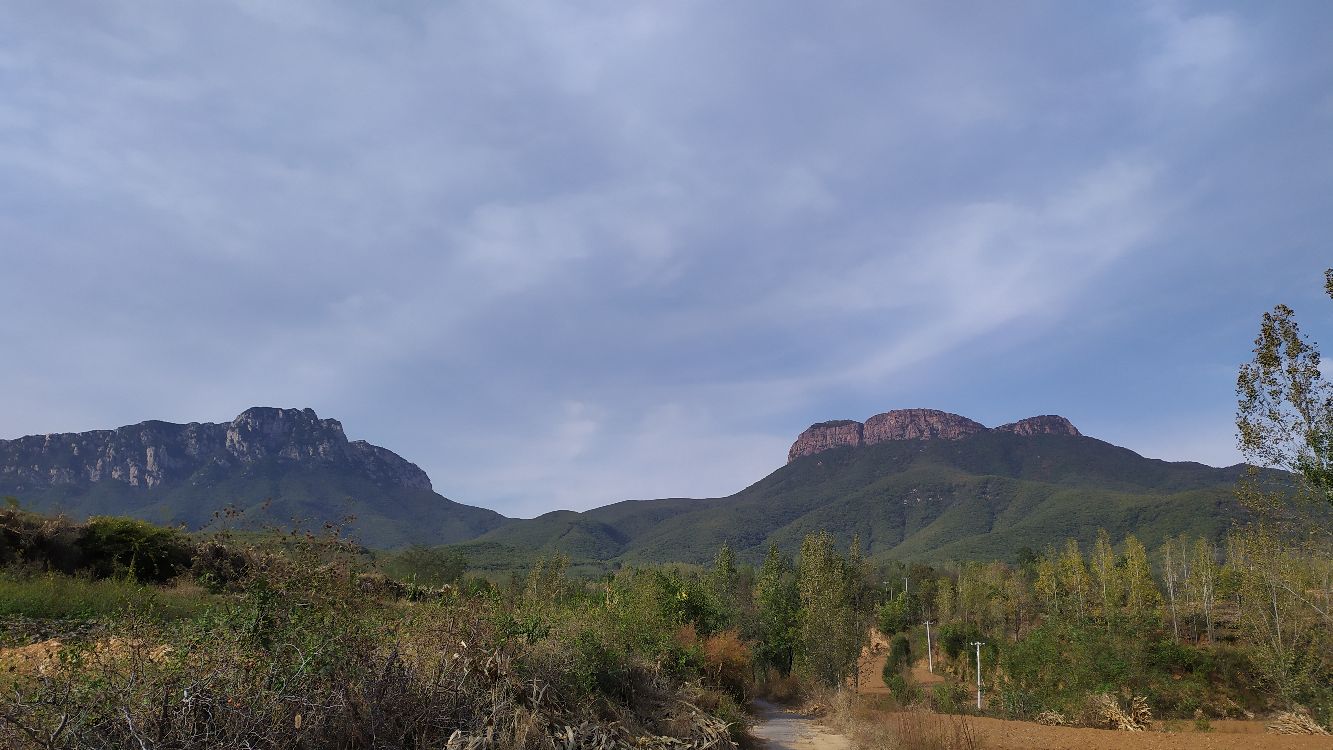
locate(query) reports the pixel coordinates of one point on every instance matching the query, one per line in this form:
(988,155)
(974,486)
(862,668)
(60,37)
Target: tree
(722,581)
(830,636)
(775,600)
(1074,579)
(1173,573)
(1203,582)
(1142,598)
(1107,576)
(1284,415)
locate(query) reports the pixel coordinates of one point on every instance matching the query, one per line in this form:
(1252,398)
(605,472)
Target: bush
(892,615)
(954,639)
(903,689)
(948,697)
(43,542)
(900,654)
(137,549)
(427,566)
(727,664)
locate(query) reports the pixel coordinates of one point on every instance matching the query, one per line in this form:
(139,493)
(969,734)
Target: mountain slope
(277,465)
(915,484)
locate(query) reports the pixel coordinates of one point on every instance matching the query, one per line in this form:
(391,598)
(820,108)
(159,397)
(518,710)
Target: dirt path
(781,730)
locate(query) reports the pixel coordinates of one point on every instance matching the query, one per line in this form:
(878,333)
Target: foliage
(54,596)
(830,632)
(301,657)
(427,566)
(892,615)
(774,625)
(900,654)
(1285,407)
(135,548)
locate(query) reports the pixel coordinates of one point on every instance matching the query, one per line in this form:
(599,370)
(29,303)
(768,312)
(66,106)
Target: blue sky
(564,254)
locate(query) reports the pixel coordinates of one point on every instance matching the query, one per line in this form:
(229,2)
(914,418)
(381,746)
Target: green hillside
(982,497)
(274,493)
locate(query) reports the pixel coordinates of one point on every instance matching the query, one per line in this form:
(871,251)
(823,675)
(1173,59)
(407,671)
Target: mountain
(275,464)
(913,484)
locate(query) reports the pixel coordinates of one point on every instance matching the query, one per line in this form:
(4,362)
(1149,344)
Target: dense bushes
(301,656)
(103,547)
(139,550)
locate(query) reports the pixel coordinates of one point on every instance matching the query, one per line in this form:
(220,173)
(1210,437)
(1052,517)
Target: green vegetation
(63,597)
(305,639)
(272,492)
(981,498)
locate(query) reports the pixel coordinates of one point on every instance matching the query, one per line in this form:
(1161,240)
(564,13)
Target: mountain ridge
(911,483)
(952,492)
(279,464)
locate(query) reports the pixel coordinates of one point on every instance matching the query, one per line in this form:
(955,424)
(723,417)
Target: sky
(564,254)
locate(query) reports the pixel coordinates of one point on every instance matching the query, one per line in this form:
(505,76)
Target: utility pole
(978,644)
(930,657)
(904,587)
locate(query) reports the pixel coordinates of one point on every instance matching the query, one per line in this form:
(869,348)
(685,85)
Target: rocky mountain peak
(914,424)
(1046,424)
(919,424)
(153,453)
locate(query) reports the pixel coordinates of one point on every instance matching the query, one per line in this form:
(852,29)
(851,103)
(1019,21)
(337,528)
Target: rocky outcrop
(919,424)
(150,454)
(825,435)
(914,424)
(1047,424)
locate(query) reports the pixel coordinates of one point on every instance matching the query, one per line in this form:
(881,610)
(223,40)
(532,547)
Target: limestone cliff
(150,454)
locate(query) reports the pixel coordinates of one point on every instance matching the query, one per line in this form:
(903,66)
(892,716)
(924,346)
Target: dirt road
(781,730)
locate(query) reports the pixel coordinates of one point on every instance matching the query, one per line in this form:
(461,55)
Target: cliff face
(919,424)
(151,454)
(914,424)
(1047,424)
(826,435)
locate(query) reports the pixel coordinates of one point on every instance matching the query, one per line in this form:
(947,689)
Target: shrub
(727,664)
(900,654)
(140,550)
(892,615)
(47,543)
(427,566)
(903,689)
(948,697)
(954,639)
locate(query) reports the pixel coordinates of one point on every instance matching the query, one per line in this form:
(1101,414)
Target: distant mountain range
(912,483)
(274,464)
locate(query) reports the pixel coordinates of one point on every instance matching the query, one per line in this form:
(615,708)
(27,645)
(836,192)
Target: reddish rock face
(919,424)
(914,424)
(825,435)
(1047,424)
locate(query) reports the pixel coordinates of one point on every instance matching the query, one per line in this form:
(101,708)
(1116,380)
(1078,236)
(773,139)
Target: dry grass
(1296,722)
(1104,711)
